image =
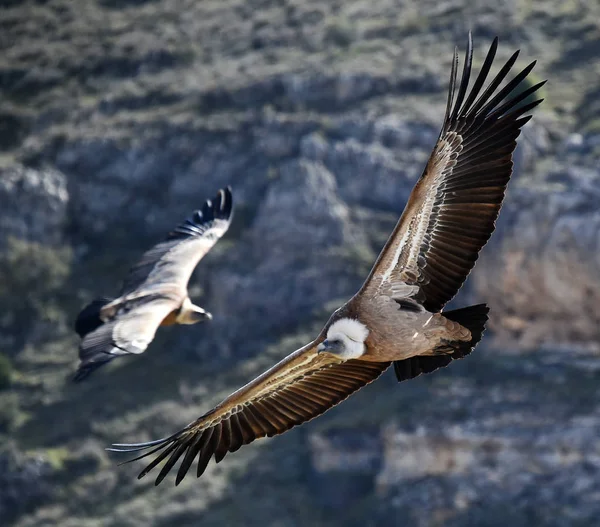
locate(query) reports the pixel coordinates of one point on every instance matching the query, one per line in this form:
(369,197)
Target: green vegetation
(9,412)
(32,273)
(6,372)
(56,457)
(31,281)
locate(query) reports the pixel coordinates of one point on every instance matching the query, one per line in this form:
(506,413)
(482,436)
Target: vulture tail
(473,318)
(86,368)
(89,317)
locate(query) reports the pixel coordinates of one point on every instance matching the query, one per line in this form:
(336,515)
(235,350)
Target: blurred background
(119,118)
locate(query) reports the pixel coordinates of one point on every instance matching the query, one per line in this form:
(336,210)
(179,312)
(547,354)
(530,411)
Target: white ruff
(348,327)
(353,335)
(184,312)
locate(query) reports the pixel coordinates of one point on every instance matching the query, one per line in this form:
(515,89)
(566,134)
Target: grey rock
(369,174)
(548,298)
(293,258)
(313,146)
(574,142)
(302,210)
(475,467)
(395,132)
(344,465)
(111,183)
(581,144)
(24,483)
(33,205)
(338,90)
(275,145)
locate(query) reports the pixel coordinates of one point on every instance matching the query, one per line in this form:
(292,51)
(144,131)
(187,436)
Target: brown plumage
(155,291)
(395,317)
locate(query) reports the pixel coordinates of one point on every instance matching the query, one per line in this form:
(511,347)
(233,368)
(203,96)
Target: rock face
(302,230)
(343,466)
(33,205)
(24,483)
(549,297)
(118,119)
(461,469)
(506,448)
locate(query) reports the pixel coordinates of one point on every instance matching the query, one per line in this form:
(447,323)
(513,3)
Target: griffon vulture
(155,291)
(395,317)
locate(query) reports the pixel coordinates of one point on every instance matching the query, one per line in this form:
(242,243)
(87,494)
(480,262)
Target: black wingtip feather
(451,88)
(471,110)
(208,450)
(507,90)
(177,453)
(157,459)
(90,364)
(159,444)
(464,81)
(465,107)
(483,73)
(500,76)
(516,100)
(486,119)
(85,370)
(218,208)
(172,447)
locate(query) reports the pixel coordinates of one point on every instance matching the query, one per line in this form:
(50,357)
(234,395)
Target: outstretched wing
(129,330)
(300,387)
(452,210)
(169,265)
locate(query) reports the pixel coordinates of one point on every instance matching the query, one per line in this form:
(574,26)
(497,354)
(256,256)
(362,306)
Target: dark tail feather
(89,317)
(473,318)
(86,368)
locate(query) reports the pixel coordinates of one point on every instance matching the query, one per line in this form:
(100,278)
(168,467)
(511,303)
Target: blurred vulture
(396,317)
(155,291)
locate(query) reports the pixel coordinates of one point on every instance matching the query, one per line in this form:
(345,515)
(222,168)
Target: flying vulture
(395,318)
(155,291)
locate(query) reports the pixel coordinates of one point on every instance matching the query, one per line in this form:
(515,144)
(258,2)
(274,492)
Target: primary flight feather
(395,318)
(155,291)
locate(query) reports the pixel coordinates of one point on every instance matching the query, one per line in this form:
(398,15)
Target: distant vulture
(395,318)
(155,291)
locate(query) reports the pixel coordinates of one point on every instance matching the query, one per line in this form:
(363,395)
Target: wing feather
(129,331)
(299,388)
(170,264)
(452,210)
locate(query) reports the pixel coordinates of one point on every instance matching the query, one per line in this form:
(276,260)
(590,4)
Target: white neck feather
(351,328)
(185,315)
(352,333)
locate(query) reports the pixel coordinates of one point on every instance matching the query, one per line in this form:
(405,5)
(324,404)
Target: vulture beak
(329,346)
(200,315)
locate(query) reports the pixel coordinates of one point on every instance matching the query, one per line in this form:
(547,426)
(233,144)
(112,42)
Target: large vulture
(396,317)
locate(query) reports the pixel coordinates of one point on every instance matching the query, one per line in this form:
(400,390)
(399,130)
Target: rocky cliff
(117,119)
